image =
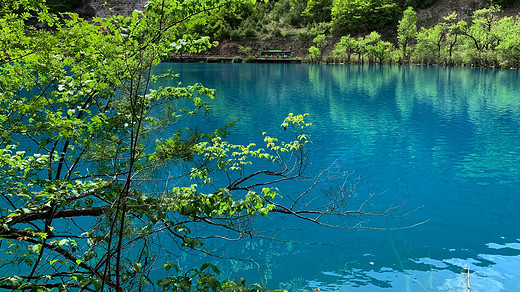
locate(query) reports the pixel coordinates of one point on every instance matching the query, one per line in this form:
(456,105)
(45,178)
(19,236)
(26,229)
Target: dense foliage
(356,16)
(268,19)
(101,188)
(486,39)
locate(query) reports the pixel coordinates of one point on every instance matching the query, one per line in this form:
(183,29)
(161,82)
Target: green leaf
(138,267)
(167,267)
(97,283)
(89,255)
(34,248)
(164,283)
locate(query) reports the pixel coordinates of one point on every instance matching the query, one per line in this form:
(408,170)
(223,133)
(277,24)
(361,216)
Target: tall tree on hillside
(318,11)
(356,16)
(430,41)
(454,31)
(406,33)
(348,46)
(482,28)
(480,37)
(375,48)
(508,31)
(294,16)
(437,45)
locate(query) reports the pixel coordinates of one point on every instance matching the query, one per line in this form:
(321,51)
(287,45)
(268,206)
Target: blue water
(446,140)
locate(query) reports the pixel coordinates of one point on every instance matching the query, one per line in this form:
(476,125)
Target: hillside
(277,33)
(299,47)
(464,8)
(441,8)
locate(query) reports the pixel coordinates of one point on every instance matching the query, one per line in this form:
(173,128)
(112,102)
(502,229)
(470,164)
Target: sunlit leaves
(228,156)
(35,248)
(296,121)
(204,278)
(190,45)
(353,16)
(407,31)
(83,136)
(346,46)
(487,39)
(189,201)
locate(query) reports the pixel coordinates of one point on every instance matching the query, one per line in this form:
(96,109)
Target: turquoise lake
(446,140)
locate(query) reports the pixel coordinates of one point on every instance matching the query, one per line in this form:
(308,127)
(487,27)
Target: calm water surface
(447,137)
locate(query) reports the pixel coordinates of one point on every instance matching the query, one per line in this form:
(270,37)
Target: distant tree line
(487,39)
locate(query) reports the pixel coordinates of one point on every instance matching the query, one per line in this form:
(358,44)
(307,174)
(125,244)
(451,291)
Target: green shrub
(250,59)
(235,35)
(305,37)
(213,60)
(244,50)
(250,33)
(237,59)
(223,34)
(314,54)
(276,32)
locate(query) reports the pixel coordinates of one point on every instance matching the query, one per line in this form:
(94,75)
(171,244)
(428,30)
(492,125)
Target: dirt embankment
(298,46)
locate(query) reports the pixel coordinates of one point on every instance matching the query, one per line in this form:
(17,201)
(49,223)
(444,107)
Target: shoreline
(298,60)
(236,59)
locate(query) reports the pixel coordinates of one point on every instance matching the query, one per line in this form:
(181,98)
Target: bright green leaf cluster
(86,136)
